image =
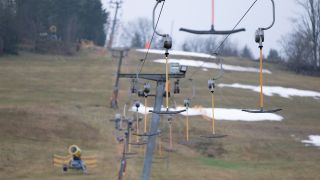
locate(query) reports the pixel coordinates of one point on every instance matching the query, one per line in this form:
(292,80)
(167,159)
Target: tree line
(50,23)
(302,46)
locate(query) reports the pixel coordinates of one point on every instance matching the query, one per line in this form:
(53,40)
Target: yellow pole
(170,136)
(167,83)
(187,126)
(129,145)
(137,126)
(145,115)
(212,95)
(261,93)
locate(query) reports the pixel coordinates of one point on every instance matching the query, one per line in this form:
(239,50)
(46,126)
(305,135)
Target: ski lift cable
(140,67)
(217,50)
(240,20)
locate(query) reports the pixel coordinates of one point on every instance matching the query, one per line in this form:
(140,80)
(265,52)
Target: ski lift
(176,88)
(128,138)
(221,70)
(212,30)
(117,120)
(137,104)
(167,45)
(133,87)
(212,86)
(146,91)
(128,145)
(193,89)
(186,104)
(138,142)
(259,38)
(170,148)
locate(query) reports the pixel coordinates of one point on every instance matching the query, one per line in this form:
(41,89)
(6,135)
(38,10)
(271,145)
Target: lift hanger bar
(211,86)
(221,71)
(167,45)
(212,30)
(261,110)
(153,77)
(146,134)
(259,38)
(168,112)
(138,143)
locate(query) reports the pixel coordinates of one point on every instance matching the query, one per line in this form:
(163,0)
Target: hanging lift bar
(212,30)
(138,142)
(167,45)
(211,86)
(259,38)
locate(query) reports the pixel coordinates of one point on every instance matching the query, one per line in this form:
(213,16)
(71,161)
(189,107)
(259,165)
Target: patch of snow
(313,139)
(177,53)
(204,69)
(272,90)
(220,114)
(196,63)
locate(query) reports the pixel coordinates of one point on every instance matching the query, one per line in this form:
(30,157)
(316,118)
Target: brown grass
(50,102)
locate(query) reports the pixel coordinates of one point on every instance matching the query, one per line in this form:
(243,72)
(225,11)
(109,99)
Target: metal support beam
(120,53)
(155,118)
(118,3)
(147,163)
(153,77)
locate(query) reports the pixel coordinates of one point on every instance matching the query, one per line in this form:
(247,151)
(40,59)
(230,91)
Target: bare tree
(136,33)
(210,45)
(310,25)
(199,45)
(8,33)
(301,47)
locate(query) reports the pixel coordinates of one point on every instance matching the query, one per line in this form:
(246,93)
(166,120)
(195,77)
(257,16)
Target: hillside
(50,102)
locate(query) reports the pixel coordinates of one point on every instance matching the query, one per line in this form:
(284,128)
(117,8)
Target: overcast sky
(196,14)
